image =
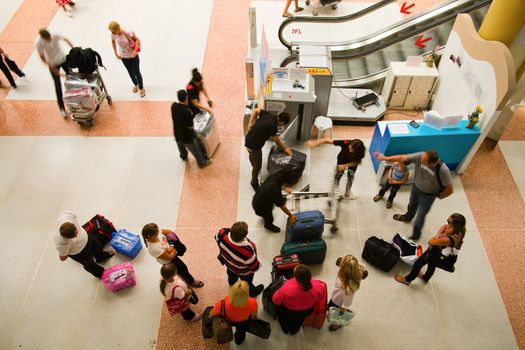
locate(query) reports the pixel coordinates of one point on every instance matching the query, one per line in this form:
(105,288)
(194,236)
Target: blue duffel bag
(309,227)
(126,243)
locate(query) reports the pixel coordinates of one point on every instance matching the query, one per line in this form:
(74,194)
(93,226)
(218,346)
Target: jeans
(233,277)
(393,190)
(419,203)
(7,72)
(196,149)
(133,67)
(92,250)
(337,178)
(58,84)
(256,162)
(182,270)
(426,258)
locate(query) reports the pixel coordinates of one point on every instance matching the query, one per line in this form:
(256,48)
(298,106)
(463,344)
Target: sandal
(197,284)
(401,279)
(333,327)
(299,9)
(400,217)
(135,89)
(287,15)
(142,93)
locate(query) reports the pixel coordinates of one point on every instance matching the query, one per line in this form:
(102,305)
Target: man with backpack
(50,52)
(431,180)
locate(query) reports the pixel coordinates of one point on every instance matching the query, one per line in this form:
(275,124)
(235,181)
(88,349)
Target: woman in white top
(159,248)
(348,280)
(128,52)
(176,293)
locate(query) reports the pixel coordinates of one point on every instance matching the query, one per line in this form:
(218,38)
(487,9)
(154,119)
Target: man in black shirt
(183,130)
(265,126)
(270,194)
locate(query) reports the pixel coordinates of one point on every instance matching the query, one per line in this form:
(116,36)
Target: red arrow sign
(405,8)
(420,41)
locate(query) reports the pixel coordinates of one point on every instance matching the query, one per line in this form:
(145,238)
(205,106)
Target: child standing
(67,6)
(397,176)
(350,156)
(176,293)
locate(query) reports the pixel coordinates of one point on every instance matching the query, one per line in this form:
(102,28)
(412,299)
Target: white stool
(320,126)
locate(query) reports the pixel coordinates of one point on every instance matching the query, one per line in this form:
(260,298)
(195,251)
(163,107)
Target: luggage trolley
(325,202)
(84,93)
(319,3)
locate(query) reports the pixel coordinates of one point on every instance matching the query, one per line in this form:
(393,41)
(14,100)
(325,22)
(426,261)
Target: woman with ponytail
(176,293)
(348,281)
(194,88)
(297,299)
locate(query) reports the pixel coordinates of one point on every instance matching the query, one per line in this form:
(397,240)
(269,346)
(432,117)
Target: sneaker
(272,228)
(377,197)
(63,113)
(257,290)
(389,204)
(196,318)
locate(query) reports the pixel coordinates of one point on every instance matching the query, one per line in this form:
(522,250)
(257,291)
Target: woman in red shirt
(297,299)
(238,308)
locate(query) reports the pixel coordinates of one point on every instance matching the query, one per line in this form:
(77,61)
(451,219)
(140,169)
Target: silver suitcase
(80,101)
(206,129)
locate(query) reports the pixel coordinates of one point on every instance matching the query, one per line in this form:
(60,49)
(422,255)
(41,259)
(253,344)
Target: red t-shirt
(236,314)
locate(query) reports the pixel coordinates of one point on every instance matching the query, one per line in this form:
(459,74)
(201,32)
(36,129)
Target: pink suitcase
(119,277)
(317,317)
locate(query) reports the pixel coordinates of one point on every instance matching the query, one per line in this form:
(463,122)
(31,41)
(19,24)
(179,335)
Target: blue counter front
(399,137)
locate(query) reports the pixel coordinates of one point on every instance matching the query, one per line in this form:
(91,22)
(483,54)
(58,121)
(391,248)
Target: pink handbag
(119,277)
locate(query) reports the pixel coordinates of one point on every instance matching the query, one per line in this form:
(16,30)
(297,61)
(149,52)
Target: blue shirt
(398,175)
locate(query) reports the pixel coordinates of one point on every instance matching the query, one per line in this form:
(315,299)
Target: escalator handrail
(338,19)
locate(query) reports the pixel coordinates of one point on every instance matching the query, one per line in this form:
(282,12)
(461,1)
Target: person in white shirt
(50,52)
(73,242)
(177,293)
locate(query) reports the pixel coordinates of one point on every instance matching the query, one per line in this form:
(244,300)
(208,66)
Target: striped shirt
(397,174)
(239,257)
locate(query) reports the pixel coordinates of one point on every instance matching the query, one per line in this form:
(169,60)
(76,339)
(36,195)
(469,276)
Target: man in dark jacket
(183,130)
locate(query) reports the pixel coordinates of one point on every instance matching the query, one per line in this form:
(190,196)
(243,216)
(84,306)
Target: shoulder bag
(221,327)
(175,305)
(259,328)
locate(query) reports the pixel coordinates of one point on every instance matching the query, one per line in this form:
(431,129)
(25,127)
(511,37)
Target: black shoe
(239,340)
(257,290)
(272,228)
(255,185)
(413,238)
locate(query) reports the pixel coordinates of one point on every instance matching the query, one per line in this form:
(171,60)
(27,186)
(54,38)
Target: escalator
(363,62)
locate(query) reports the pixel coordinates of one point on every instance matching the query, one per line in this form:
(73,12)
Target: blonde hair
(113,26)
(239,294)
(350,274)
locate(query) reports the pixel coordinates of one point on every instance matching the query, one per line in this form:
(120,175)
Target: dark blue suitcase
(309,252)
(309,227)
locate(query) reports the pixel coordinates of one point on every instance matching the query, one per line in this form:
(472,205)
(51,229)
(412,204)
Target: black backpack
(86,60)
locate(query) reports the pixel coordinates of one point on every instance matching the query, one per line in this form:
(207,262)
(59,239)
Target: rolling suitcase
(279,160)
(126,243)
(268,293)
(309,227)
(284,266)
(309,252)
(207,132)
(119,277)
(207,321)
(317,317)
(380,253)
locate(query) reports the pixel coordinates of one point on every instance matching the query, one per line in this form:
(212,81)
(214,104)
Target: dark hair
(290,176)
(239,231)
(44,33)
(148,231)
(458,223)
(433,156)
(284,117)
(358,149)
(303,275)
(68,230)
(182,95)
(196,76)
(166,271)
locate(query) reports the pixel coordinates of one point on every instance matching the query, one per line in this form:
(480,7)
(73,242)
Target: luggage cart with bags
(325,202)
(84,93)
(319,3)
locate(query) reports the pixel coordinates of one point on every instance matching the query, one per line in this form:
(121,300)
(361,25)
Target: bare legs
(287,6)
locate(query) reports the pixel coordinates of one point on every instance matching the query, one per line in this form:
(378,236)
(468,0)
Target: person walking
(6,65)
(67,6)
(194,88)
(262,126)
(397,176)
(73,242)
(270,194)
(431,180)
(239,255)
(297,298)
(160,248)
(449,240)
(177,295)
(184,133)
(128,53)
(237,307)
(50,52)
(287,14)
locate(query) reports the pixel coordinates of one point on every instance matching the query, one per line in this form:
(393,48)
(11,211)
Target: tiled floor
(513,152)
(127,168)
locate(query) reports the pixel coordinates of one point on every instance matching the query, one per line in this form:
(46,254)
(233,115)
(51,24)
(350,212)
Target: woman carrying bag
(441,252)
(235,309)
(176,293)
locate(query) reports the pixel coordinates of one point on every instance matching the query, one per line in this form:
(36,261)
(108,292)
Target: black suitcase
(268,293)
(207,329)
(380,253)
(279,160)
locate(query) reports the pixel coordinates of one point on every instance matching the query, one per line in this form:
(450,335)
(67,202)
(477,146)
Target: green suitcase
(309,252)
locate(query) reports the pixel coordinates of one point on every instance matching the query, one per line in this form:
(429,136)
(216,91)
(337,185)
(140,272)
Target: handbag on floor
(119,277)
(221,327)
(126,243)
(259,328)
(380,253)
(334,316)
